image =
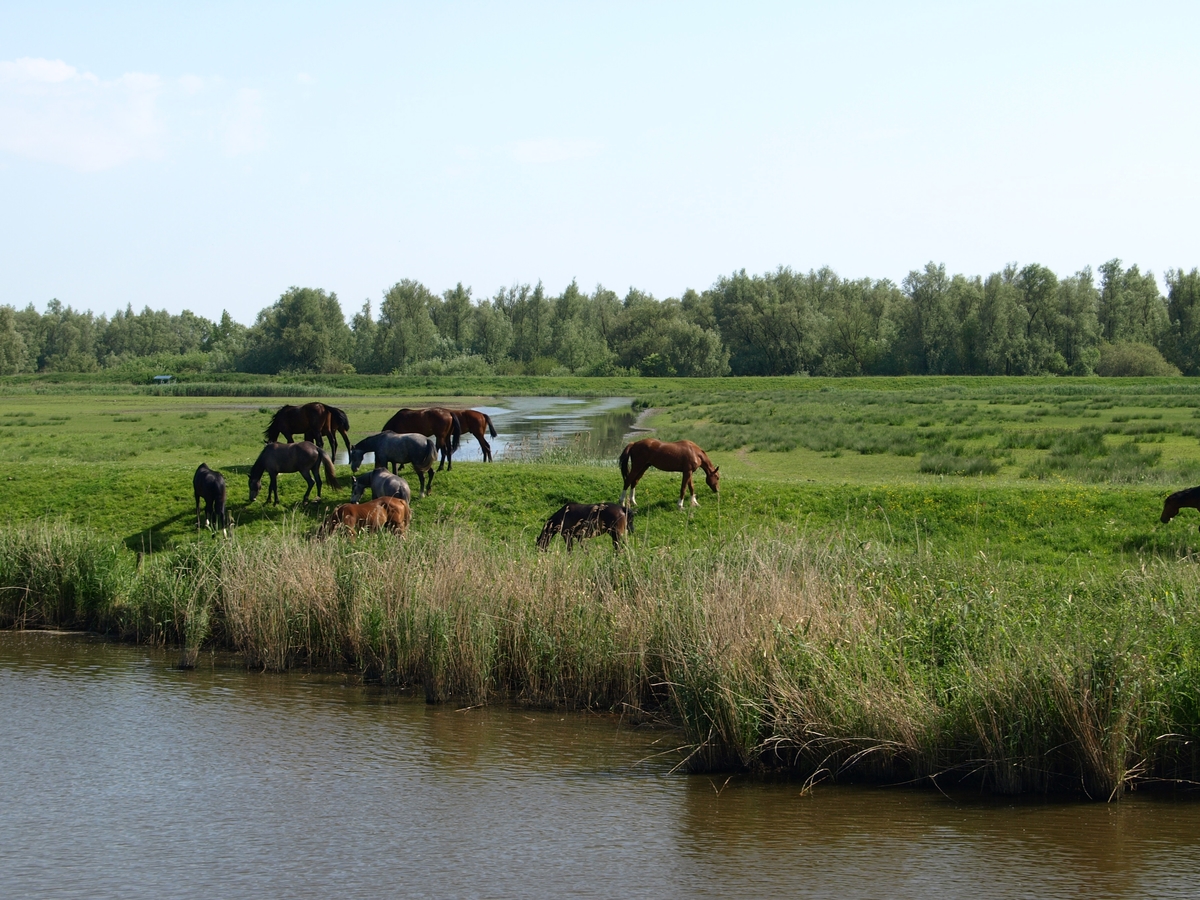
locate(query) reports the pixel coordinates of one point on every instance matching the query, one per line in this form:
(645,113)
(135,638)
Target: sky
(210,156)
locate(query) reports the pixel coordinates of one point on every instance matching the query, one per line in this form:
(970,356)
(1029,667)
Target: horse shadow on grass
(155,537)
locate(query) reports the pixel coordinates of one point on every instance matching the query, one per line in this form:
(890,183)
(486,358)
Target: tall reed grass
(822,658)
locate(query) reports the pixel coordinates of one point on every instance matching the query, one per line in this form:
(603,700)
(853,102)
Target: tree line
(1019,321)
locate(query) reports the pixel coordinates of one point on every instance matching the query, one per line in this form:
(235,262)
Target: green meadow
(1043,470)
(956,579)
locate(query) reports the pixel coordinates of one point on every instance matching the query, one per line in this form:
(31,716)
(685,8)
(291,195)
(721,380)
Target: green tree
(364,333)
(454,317)
(491,333)
(405,333)
(770,323)
(1130,307)
(1183,308)
(14,357)
(303,331)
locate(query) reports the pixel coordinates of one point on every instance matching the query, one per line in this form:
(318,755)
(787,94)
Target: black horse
(305,458)
(1188,498)
(210,486)
(577,521)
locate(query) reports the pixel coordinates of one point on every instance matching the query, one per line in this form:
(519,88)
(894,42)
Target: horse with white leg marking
(399,449)
(675,456)
(210,485)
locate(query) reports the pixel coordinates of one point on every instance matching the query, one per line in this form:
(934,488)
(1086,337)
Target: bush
(1126,360)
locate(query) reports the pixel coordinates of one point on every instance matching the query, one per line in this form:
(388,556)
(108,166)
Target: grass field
(900,578)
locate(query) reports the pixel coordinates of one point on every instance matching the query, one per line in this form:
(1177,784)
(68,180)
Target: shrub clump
(1133,360)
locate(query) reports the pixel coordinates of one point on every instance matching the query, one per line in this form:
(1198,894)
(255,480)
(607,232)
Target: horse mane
(259,466)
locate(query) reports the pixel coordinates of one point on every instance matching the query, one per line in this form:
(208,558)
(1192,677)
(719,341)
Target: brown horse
(476,422)
(1189,498)
(577,521)
(443,425)
(305,458)
(380,514)
(679,456)
(313,420)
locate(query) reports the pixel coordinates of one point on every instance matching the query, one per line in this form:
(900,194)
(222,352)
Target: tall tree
(1183,307)
(405,333)
(303,331)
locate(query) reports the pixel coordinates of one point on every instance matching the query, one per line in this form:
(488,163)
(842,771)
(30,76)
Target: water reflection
(125,777)
(526,427)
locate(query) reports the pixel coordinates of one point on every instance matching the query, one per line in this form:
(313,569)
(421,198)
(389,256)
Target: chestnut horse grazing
(1189,498)
(677,456)
(210,486)
(382,513)
(313,420)
(305,458)
(577,521)
(475,422)
(443,425)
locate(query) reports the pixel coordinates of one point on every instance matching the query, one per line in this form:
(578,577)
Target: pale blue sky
(204,156)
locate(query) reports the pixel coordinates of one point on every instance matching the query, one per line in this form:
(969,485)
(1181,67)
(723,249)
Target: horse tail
(625,463)
(456,424)
(339,418)
(329,474)
(491,427)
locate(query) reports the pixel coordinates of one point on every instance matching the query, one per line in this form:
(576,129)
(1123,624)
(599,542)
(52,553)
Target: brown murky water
(123,777)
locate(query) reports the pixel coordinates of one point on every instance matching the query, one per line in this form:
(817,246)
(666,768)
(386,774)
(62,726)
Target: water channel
(125,777)
(528,426)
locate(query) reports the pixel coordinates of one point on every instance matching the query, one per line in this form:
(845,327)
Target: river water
(526,427)
(121,776)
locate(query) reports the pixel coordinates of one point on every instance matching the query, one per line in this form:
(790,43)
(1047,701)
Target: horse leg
(636,471)
(273,488)
(486,447)
(441,449)
(308,478)
(198,512)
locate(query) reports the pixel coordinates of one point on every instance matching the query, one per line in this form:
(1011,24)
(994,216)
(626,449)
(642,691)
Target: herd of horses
(422,437)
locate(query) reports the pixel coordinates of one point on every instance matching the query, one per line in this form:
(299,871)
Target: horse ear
(716,470)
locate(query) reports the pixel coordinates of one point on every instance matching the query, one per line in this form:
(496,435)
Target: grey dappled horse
(382,484)
(399,449)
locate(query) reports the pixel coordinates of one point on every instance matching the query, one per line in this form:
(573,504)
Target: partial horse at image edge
(1185,499)
(674,456)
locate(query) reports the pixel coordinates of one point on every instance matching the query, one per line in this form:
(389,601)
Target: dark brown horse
(382,513)
(577,521)
(476,422)
(1189,498)
(305,458)
(678,456)
(209,486)
(442,425)
(313,420)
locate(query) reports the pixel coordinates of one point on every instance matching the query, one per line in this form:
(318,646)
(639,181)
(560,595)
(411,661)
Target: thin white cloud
(51,112)
(552,151)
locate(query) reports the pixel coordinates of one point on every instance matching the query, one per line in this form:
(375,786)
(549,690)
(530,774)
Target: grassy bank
(820,657)
(902,579)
